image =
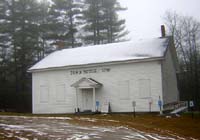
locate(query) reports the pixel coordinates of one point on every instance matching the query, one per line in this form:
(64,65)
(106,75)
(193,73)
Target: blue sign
(159,103)
(97,103)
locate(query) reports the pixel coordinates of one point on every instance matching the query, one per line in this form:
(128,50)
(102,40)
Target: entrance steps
(176,107)
(181,109)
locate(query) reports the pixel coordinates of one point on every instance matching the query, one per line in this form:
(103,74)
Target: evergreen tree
(63,23)
(93,16)
(102,22)
(4,43)
(115,27)
(44,48)
(23,30)
(19,47)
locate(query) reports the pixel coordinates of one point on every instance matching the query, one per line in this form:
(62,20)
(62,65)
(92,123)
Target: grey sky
(144,17)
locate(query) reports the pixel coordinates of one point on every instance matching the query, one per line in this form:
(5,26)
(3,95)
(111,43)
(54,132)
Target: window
(144,88)
(60,93)
(44,94)
(124,90)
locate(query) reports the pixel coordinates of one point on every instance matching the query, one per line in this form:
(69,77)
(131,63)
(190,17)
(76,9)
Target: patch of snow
(58,118)
(9,135)
(93,134)
(88,119)
(106,130)
(136,136)
(35,117)
(125,138)
(165,138)
(97,137)
(122,127)
(109,120)
(21,127)
(177,115)
(152,137)
(180,138)
(53,136)
(21,138)
(12,126)
(79,137)
(168,117)
(85,137)
(114,52)
(193,138)
(83,128)
(158,137)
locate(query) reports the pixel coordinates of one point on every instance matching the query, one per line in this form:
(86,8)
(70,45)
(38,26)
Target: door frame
(87,99)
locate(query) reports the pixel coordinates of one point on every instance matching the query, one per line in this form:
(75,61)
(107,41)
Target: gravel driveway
(58,128)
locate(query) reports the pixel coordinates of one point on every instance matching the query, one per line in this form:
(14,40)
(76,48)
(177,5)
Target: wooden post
(133,104)
(76,99)
(94,100)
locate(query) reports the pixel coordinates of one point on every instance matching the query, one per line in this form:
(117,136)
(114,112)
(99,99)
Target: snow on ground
(57,128)
(88,119)
(32,117)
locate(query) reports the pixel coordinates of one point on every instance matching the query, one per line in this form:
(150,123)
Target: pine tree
(23,31)
(19,47)
(4,43)
(44,48)
(93,19)
(102,22)
(115,27)
(63,23)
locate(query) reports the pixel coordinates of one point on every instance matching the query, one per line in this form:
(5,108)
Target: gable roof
(86,83)
(115,52)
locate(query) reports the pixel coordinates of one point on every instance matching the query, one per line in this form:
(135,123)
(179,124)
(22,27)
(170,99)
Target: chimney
(162,31)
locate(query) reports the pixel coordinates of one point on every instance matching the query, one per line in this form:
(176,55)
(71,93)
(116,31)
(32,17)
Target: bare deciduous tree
(186,33)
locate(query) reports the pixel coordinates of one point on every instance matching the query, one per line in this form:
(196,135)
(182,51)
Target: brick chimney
(163,34)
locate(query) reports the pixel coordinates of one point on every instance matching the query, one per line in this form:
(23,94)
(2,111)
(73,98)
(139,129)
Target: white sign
(105,107)
(191,104)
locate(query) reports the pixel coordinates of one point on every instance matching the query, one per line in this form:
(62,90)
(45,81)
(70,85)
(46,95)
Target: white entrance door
(87,99)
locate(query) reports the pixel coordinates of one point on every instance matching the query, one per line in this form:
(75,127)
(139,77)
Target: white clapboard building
(119,75)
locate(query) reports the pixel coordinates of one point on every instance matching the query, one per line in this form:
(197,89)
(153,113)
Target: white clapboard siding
(140,72)
(121,79)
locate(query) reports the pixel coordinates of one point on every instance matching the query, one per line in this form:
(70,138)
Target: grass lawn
(184,126)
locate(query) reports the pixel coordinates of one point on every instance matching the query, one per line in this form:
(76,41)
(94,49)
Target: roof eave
(97,64)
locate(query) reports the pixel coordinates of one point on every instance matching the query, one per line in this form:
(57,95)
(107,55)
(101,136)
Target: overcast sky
(144,17)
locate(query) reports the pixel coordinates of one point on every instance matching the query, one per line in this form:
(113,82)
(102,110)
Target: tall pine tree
(63,23)
(93,15)
(44,48)
(4,43)
(102,22)
(23,17)
(115,27)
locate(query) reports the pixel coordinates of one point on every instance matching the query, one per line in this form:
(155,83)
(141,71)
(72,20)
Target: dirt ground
(102,126)
(184,125)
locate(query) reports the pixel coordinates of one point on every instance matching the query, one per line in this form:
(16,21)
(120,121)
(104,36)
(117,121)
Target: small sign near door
(97,105)
(105,106)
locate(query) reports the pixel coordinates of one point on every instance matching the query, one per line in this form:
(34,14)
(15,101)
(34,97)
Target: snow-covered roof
(142,49)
